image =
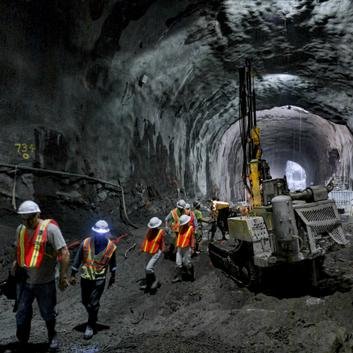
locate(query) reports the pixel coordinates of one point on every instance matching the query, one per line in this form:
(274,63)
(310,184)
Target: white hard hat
(197,204)
(154,222)
(101,227)
(187,206)
(28,207)
(184,219)
(181,204)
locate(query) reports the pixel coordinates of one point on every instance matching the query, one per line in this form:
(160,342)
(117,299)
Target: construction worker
(40,245)
(172,223)
(96,254)
(199,230)
(153,245)
(219,215)
(193,220)
(185,244)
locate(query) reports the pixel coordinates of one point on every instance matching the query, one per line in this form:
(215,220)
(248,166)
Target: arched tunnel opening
(115,110)
(322,148)
(296,176)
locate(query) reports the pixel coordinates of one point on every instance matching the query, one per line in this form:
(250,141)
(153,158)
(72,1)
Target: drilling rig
(282,227)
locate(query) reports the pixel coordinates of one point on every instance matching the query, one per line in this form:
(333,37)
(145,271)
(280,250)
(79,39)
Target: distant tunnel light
(296,176)
(287,6)
(280,77)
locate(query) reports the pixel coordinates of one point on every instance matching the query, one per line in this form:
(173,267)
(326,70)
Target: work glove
(73,280)
(111,281)
(63,283)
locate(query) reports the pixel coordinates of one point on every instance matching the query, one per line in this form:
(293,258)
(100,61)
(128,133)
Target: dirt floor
(211,314)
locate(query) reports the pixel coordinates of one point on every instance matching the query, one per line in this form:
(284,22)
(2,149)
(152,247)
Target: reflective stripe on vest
(95,266)
(30,252)
(151,246)
(192,219)
(175,225)
(184,239)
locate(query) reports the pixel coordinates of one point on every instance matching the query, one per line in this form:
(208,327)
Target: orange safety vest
(192,219)
(31,250)
(184,239)
(175,224)
(152,245)
(95,266)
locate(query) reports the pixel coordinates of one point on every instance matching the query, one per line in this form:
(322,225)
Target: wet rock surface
(144,94)
(147,91)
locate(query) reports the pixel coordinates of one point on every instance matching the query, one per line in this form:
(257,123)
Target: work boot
(143,285)
(191,272)
(178,275)
(52,337)
(92,319)
(155,284)
(88,332)
(148,281)
(22,334)
(54,344)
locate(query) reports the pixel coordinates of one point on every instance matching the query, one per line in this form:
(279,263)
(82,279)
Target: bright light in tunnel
(287,6)
(296,176)
(280,77)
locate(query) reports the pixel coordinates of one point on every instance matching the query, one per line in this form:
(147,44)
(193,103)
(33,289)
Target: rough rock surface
(144,94)
(122,90)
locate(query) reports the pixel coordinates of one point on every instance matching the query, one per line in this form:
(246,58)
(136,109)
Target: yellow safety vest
(95,266)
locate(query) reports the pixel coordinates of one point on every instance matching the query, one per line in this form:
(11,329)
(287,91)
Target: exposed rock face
(146,92)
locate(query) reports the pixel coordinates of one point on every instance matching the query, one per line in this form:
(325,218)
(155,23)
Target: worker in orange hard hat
(153,245)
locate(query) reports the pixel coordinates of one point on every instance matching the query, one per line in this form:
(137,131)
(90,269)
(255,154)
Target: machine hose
(74,175)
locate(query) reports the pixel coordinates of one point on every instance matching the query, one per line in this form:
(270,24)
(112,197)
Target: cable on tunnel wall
(74,175)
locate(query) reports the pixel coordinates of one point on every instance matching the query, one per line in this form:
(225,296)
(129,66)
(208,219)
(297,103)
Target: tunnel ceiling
(147,91)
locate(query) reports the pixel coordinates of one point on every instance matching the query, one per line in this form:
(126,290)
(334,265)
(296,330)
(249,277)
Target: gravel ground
(211,314)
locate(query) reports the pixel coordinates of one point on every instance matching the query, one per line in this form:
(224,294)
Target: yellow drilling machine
(282,228)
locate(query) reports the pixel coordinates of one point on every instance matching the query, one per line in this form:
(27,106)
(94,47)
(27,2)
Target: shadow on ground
(99,327)
(14,347)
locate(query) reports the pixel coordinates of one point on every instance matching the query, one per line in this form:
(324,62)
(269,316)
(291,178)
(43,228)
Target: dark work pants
(91,292)
(221,223)
(222,220)
(45,294)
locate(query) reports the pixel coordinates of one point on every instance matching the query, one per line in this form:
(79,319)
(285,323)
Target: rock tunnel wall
(145,93)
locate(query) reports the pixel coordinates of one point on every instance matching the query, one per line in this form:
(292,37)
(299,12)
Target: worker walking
(40,245)
(172,224)
(219,216)
(193,219)
(96,254)
(199,229)
(153,245)
(185,244)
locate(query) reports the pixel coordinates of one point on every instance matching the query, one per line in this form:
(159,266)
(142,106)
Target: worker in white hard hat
(172,224)
(95,255)
(219,213)
(185,244)
(153,245)
(189,212)
(199,229)
(40,245)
